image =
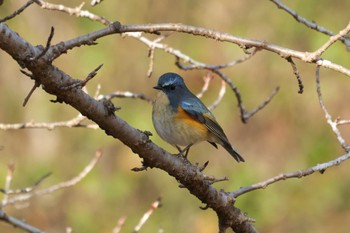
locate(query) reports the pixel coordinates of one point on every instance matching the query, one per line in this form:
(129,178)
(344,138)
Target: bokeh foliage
(289,134)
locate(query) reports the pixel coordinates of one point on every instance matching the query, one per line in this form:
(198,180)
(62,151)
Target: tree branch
(189,175)
(312,25)
(296,174)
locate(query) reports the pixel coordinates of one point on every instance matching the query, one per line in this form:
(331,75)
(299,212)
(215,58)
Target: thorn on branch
(204,166)
(144,167)
(297,74)
(110,109)
(214,180)
(27,74)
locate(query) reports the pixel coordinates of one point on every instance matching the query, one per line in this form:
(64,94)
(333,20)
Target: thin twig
(332,123)
(151,55)
(35,86)
(312,25)
(207,78)
(75,122)
(220,96)
(124,94)
(48,44)
(18,11)
(317,54)
(77,11)
(297,75)
(26,189)
(18,223)
(9,176)
(51,189)
(120,224)
(248,115)
(148,214)
(296,174)
(81,83)
(342,122)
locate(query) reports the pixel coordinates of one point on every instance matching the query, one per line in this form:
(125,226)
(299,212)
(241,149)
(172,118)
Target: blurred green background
(291,133)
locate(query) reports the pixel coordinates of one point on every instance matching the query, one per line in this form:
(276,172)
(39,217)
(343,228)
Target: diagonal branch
(15,222)
(18,11)
(24,196)
(333,124)
(187,174)
(312,25)
(296,174)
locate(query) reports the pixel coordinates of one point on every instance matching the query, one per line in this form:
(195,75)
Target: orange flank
(191,122)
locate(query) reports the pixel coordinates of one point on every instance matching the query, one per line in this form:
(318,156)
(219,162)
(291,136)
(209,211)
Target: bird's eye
(172,87)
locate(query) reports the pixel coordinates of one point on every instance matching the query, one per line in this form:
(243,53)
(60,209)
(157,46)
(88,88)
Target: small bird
(181,119)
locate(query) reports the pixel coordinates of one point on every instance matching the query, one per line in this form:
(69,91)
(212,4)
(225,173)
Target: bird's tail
(232,152)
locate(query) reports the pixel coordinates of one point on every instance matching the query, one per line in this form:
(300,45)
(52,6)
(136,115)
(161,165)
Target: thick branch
(52,79)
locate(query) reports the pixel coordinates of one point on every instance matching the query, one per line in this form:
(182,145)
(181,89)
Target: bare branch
(220,96)
(136,29)
(296,174)
(8,180)
(77,11)
(151,55)
(48,44)
(312,25)
(297,75)
(248,115)
(29,189)
(342,122)
(26,196)
(18,11)
(207,78)
(315,55)
(75,122)
(81,83)
(18,223)
(332,123)
(119,226)
(146,216)
(124,94)
(36,85)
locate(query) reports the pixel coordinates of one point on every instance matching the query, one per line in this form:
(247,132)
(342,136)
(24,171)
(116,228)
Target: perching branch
(101,112)
(52,79)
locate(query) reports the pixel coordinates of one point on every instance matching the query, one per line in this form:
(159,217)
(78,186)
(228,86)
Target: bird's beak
(158,87)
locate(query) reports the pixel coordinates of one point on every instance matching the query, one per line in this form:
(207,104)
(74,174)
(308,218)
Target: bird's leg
(185,151)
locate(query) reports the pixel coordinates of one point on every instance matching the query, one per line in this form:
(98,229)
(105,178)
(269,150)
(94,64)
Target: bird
(181,119)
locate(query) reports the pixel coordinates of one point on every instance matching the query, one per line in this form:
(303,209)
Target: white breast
(169,128)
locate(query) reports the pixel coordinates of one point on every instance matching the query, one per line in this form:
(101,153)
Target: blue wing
(196,109)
